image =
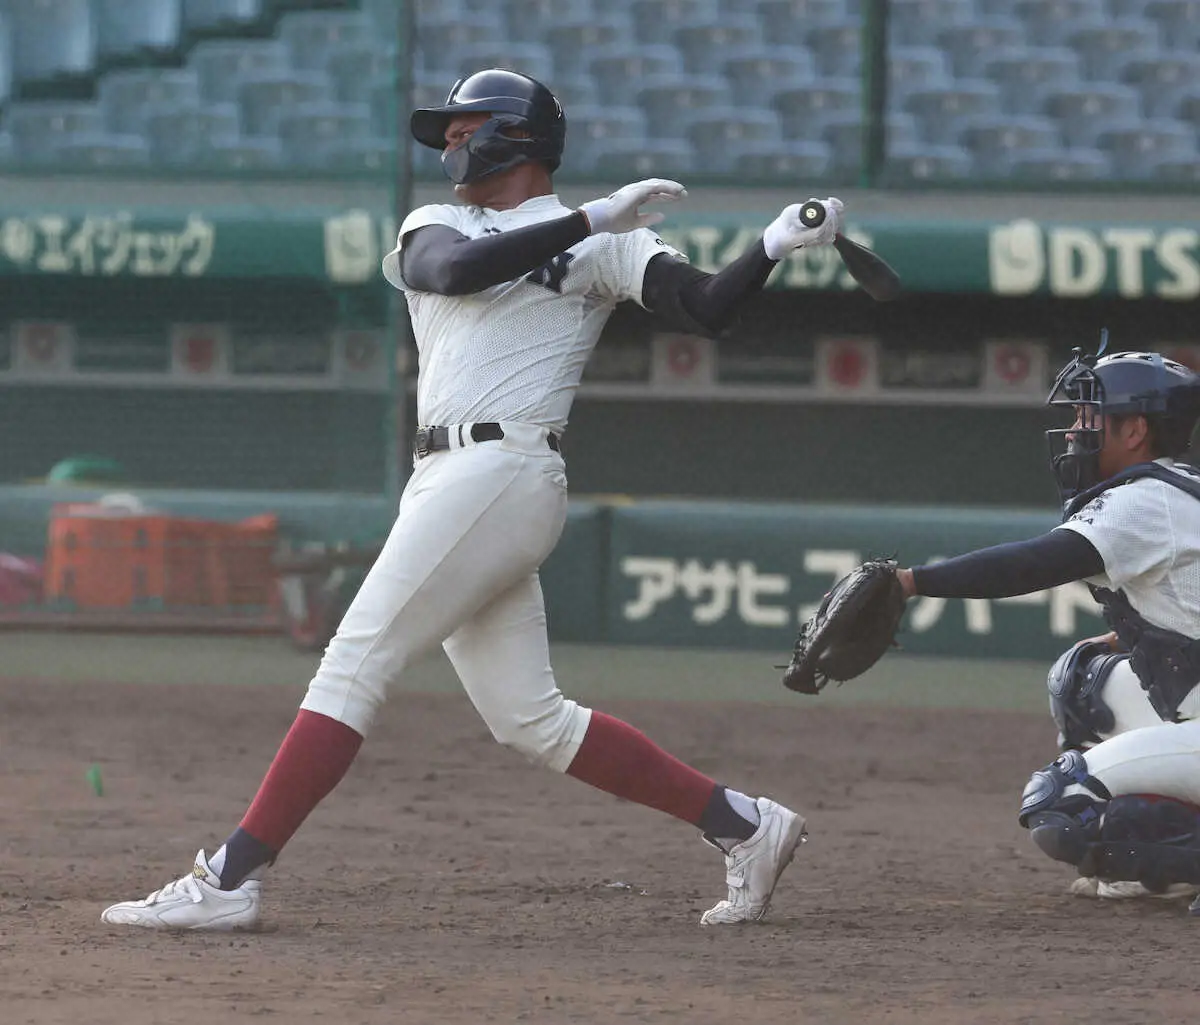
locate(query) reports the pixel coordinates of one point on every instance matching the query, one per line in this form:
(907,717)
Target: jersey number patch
(552,272)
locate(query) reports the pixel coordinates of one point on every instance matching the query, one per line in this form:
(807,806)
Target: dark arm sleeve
(687,298)
(1019,567)
(439,259)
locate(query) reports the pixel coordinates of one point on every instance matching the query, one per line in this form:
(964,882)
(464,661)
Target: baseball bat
(878,280)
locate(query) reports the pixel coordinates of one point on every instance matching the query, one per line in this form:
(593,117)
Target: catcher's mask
(1165,392)
(517,104)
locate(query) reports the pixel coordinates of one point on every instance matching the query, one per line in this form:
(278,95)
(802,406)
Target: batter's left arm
(690,300)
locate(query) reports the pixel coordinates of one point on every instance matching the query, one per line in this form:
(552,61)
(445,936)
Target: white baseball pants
(459,568)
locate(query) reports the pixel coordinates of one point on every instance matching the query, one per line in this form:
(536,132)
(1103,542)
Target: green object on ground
(94,778)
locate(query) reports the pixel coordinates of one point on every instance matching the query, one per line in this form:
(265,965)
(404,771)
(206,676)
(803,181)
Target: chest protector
(1167,664)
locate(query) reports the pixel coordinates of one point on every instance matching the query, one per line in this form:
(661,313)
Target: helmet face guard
(1075,450)
(489,150)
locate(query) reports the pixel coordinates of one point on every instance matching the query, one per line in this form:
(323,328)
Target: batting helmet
(1148,384)
(515,101)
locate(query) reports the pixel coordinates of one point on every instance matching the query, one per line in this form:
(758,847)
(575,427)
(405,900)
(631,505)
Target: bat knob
(812,214)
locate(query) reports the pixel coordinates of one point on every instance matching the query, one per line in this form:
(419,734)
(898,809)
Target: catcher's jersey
(516,351)
(1148,534)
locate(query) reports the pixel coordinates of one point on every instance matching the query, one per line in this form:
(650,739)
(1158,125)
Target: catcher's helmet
(514,101)
(1149,384)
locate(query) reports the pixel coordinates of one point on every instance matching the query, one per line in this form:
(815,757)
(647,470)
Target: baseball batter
(1122,803)
(508,291)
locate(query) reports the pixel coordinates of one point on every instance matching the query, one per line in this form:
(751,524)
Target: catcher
(1122,803)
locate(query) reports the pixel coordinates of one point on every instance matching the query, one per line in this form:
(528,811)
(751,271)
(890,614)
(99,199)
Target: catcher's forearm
(1019,567)
(671,287)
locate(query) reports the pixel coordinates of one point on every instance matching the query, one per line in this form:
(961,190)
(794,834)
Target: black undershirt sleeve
(439,259)
(689,299)
(1019,567)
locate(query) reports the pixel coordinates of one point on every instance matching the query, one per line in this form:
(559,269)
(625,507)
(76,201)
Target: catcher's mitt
(855,624)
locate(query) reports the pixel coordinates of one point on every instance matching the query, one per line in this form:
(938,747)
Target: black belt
(437,439)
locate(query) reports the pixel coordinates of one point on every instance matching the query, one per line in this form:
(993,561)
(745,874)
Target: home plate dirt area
(447,881)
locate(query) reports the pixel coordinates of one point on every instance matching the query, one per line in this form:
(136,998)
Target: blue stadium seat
(572,43)
(656,21)
(1180,172)
(1163,80)
(1053,22)
(237,155)
(99,151)
(592,129)
(429,89)
(837,47)
(267,98)
(576,91)
(788,22)
(1027,76)
(183,136)
(531,59)
(127,96)
(354,70)
(7,156)
(313,36)
(1105,47)
(52,41)
(1059,165)
(37,126)
(844,133)
(376,156)
(439,42)
(220,16)
(322,125)
(670,104)
(911,68)
(918,22)
(704,46)
(427,164)
(1179,22)
(5,59)
(657,158)
(780,162)
(719,135)
(968,46)
(384,14)
(1188,108)
(1088,109)
(943,113)
(530,20)
(619,71)
(1138,148)
(222,63)
(926,163)
(137,30)
(996,142)
(755,79)
(803,112)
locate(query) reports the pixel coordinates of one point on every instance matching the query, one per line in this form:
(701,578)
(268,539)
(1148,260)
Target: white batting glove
(621,211)
(787,232)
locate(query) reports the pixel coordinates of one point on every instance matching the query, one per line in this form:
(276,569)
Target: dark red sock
(312,759)
(621,760)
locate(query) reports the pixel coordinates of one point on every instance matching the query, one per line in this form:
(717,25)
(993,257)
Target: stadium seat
(384,14)
(136,31)
(37,126)
(719,135)
(439,42)
(312,37)
(1179,22)
(968,46)
(7,159)
(531,59)
(911,68)
(844,133)
(837,47)
(942,113)
(705,46)
(182,137)
(656,21)
(918,22)
(5,59)
(221,64)
(572,43)
(1086,110)
(530,20)
(576,91)
(658,158)
(619,71)
(783,162)
(1059,165)
(354,71)
(322,123)
(127,96)
(98,151)
(1188,108)
(267,98)
(925,164)
(429,89)
(756,79)
(592,129)
(1027,76)
(1105,47)
(220,17)
(671,104)
(996,142)
(1139,147)
(1182,172)
(805,111)
(788,22)
(53,46)
(1053,22)
(363,156)
(1163,80)
(237,155)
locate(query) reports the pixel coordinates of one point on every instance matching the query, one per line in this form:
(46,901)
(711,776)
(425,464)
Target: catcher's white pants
(1143,754)
(459,568)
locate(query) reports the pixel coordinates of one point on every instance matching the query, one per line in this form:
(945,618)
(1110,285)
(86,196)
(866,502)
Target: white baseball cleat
(1128,890)
(195,901)
(753,867)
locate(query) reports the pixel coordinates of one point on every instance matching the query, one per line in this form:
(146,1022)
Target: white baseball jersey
(516,351)
(1148,534)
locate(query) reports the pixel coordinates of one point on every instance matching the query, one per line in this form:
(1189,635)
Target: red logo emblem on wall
(200,353)
(847,366)
(1012,364)
(41,342)
(682,357)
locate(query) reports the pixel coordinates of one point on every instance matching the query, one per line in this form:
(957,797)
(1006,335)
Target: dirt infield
(448,882)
